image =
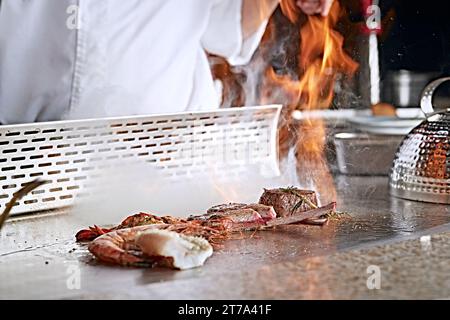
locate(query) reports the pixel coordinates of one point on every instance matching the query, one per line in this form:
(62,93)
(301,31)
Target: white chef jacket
(96,58)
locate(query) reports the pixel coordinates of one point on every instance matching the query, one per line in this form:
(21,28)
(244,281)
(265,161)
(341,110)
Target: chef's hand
(311,7)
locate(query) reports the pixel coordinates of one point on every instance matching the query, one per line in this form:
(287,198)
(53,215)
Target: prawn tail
(91,233)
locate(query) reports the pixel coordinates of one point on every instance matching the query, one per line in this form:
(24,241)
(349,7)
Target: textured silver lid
(421,168)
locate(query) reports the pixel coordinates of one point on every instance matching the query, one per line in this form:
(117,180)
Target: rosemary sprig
(297,206)
(302,198)
(332,215)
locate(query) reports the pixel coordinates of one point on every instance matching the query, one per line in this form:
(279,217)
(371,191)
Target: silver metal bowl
(365,154)
(421,168)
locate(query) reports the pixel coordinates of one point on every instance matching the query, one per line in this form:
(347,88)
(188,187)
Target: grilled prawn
(136,246)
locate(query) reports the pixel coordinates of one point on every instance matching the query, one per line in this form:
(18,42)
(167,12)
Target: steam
(143,188)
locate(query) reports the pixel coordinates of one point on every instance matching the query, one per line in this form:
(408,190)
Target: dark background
(419,38)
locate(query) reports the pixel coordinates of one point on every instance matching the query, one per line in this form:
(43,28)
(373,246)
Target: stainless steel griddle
(38,256)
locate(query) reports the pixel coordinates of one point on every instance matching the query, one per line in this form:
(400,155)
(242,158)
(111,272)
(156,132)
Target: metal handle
(426,102)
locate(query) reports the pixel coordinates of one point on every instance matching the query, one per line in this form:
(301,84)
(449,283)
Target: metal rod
(27,188)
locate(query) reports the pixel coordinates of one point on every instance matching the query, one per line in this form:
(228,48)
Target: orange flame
(322,58)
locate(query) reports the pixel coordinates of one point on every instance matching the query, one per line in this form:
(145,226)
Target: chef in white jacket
(96,58)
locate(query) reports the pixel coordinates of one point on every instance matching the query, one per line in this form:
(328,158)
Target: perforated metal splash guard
(71,154)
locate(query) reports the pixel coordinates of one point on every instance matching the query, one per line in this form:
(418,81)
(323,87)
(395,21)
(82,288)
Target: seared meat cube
(288,201)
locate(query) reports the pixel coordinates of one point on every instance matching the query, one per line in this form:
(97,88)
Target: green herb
(332,215)
(297,205)
(302,198)
(336,215)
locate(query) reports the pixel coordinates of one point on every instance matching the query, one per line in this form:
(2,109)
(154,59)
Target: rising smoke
(140,188)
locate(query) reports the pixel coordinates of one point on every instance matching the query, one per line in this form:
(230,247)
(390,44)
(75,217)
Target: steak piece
(266,212)
(238,215)
(239,219)
(289,201)
(242,216)
(221,208)
(313,215)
